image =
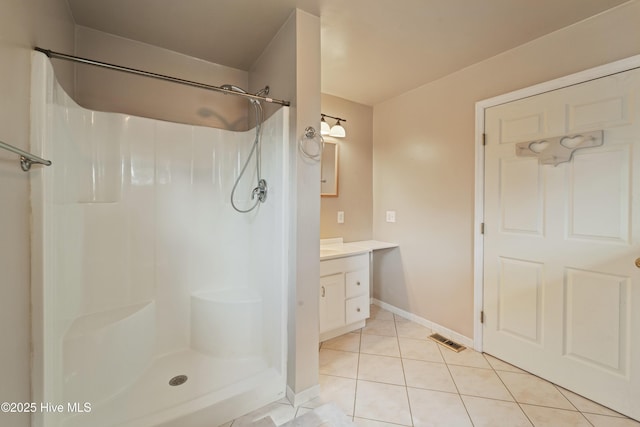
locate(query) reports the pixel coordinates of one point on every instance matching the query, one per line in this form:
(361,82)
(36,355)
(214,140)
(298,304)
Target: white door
(561,288)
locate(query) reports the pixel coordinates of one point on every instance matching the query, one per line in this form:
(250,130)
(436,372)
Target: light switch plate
(391,216)
(340,217)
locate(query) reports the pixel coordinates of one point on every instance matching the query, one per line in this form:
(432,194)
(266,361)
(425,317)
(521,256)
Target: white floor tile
(412,330)
(435,409)
(338,363)
(467,357)
(327,415)
(542,416)
(380,345)
(363,422)
(499,365)
(527,388)
(382,402)
(382,369)
(426,350)
(428,375)
(341,391)
(380,313)
(479,382)
(346,342)
(491,413)
(380,327)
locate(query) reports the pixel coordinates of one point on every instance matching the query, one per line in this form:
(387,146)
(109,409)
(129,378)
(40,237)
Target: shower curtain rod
(58,55)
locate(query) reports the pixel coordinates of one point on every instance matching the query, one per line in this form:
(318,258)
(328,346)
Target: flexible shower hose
(259,193)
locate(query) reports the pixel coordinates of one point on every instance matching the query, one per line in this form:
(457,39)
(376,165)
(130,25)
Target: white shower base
(151,401)
(109,363)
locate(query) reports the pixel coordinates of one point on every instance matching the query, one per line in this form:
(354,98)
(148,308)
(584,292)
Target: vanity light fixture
(336,130)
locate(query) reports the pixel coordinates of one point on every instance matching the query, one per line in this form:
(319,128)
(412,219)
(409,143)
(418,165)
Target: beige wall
(290,65)
(23,24)
(355,180)
(107,90)
(424,163)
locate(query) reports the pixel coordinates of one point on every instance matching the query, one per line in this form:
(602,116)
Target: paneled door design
(562,243)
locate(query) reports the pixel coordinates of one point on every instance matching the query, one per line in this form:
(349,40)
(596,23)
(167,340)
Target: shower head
(234,88)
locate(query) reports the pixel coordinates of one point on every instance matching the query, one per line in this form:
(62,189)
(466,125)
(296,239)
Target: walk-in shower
(143,305)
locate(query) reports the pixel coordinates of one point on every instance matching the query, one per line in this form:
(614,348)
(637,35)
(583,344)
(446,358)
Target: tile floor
(389,373)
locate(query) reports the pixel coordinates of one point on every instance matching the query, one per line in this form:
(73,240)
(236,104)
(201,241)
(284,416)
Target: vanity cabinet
(344,295)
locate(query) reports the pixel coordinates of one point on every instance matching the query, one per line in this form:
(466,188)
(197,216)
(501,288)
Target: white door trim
(478,250)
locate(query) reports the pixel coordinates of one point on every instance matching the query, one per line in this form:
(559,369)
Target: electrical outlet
(391,216)
(340,217)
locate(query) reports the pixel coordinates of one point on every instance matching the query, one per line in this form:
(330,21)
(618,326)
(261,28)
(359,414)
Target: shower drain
(178,380)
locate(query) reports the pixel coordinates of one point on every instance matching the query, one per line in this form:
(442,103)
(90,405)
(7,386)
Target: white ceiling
(372,50)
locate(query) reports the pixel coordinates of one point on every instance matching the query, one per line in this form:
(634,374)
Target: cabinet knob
(358,283)
(358,309)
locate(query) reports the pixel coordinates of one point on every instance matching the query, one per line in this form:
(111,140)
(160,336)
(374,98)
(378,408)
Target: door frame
(620,66)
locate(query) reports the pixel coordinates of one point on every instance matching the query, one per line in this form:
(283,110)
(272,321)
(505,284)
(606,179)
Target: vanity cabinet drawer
(340,265)
(357,308)
(357,282)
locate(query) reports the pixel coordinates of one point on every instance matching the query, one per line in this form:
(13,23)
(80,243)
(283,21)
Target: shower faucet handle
(260,191)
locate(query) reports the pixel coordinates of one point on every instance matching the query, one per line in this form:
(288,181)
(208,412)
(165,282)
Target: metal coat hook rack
(26,159)
(559,149)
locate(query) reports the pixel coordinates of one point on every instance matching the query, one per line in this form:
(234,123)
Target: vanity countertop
(335,248)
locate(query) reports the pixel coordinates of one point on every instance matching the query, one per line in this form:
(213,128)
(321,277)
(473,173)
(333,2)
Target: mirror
(329,170)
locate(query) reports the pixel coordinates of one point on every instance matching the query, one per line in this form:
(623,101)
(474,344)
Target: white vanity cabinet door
(332,307)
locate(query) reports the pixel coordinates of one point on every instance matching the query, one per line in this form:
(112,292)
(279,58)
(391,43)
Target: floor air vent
(446,342)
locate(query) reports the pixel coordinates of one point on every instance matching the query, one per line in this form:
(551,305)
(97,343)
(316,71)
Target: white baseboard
(297,399)
(446,332)
(324,336)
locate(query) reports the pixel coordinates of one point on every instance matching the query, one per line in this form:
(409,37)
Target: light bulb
(324,127)
(338,131)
